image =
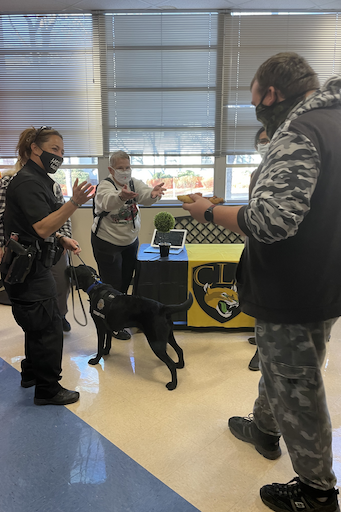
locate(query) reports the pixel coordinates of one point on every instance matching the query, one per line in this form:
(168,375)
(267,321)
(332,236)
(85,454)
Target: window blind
(49,70)
(249,41)
(161,83)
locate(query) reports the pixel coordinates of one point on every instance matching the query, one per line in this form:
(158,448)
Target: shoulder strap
(131,185)
(103,213)
(111,181)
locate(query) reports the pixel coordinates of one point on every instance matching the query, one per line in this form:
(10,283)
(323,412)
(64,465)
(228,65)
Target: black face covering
(274,115)
(51,162)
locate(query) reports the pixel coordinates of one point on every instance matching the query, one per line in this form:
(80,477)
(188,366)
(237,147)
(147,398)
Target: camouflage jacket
(289,271)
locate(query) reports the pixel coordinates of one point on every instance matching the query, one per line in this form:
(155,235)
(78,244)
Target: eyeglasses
(41,129)
(263,142)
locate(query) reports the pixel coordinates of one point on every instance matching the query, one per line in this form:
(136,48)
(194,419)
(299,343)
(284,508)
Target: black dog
(113,311)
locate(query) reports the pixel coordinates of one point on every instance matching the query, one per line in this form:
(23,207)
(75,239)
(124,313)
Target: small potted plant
(164,222)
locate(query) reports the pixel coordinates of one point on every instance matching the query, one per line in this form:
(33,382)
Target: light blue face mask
(262,149)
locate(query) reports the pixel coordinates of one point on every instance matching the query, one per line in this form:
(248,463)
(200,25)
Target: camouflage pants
(292,400)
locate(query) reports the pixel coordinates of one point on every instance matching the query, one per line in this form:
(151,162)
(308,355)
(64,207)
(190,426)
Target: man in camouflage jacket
(288,277)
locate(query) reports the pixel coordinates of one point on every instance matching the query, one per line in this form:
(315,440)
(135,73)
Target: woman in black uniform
(32,218)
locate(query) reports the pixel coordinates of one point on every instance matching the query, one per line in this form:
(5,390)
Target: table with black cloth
(207,271)
(162,279)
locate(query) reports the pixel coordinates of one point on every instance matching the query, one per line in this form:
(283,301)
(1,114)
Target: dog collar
(92,286)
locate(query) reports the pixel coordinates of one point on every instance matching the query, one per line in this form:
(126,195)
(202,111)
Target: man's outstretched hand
(198,208)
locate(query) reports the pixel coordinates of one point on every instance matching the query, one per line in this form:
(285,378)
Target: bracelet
(74,203)
(123,200)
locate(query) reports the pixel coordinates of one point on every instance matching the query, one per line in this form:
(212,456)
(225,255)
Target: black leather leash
(73,277)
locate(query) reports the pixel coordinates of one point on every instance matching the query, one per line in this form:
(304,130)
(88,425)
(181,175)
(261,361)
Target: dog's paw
(171,385)
(94,360)
(106,351)
(180,364)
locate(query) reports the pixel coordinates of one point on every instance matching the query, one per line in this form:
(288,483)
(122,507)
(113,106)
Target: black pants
(42,324)
(62,284)
(116,263)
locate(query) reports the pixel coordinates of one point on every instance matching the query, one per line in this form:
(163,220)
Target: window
(252,38)
(169,88)
(161,82)
(6,164)
(85,169)
(50,76)
(178,180)
(161,94)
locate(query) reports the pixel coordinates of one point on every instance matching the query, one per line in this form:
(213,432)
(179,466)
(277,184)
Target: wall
(82,221)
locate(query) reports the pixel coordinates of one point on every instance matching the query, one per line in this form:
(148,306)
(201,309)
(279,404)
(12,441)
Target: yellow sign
(211,279)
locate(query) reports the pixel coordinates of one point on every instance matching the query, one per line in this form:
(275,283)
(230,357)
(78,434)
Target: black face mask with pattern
(51,162)
(274,115)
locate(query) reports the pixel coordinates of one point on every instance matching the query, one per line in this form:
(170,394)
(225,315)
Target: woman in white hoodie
(117,223)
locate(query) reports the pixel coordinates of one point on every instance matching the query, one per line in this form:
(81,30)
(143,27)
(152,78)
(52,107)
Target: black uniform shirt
(29,199)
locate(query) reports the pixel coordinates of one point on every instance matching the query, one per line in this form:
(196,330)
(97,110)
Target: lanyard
(130,202)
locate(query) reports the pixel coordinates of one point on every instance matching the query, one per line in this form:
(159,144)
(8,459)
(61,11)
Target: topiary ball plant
(164,222)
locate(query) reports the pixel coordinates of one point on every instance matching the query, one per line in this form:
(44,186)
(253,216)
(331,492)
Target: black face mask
(274,115)
(51,162)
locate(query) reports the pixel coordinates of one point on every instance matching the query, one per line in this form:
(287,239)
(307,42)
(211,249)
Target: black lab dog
(113,311)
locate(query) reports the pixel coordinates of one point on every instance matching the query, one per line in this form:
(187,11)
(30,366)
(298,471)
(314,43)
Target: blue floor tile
(52,461)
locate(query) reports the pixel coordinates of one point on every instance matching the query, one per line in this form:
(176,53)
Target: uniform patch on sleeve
(100,304)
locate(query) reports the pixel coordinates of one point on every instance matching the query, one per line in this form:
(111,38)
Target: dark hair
(261,130)
(30,135)
(288,72)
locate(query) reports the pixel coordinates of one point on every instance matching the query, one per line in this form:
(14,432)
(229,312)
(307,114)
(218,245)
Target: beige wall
(82,221)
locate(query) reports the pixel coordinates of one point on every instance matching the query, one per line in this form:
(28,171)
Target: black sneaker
(252,340)
(66,325)
(254,363)
(245,430)
(63,397)
(290,497)
(121,335)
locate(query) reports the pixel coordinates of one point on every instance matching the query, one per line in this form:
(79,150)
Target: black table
(162,279)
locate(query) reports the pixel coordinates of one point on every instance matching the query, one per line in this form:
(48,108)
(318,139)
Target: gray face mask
(262,149)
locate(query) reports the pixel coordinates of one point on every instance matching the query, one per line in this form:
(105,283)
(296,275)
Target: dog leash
(73,277)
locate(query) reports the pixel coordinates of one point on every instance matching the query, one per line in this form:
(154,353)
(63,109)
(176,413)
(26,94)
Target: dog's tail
(175,308)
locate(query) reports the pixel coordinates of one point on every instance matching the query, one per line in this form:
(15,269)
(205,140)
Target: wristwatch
(209,213)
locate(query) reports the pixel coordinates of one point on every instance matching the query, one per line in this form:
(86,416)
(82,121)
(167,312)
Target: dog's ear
(93,272)
(70,272)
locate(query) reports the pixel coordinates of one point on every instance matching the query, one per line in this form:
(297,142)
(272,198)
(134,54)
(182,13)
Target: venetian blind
(161,83)
(49,68)
(249,41)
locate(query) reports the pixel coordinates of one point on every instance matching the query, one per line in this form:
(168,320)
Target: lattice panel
(199,233)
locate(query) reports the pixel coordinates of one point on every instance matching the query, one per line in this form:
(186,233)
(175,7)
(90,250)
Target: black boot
(292,497)
(254,363)
(245,429)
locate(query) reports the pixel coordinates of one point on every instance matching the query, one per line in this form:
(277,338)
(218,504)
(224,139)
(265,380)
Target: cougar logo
(222,300)
(215,291)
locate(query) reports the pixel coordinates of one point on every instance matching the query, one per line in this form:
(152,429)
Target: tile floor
(131,445)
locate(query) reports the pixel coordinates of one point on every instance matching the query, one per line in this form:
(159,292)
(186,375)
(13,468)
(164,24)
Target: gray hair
(116,156)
